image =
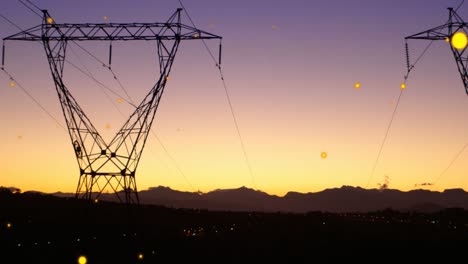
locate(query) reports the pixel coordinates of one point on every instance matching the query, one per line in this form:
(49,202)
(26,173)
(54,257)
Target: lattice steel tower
(454,31)
(110,165)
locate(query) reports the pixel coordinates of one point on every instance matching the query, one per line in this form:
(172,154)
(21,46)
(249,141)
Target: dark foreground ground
(46,229)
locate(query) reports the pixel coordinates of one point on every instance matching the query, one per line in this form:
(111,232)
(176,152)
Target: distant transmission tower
(113,165)
(454,32)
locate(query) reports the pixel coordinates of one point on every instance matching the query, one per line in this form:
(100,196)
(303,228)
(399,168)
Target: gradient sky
(290,67)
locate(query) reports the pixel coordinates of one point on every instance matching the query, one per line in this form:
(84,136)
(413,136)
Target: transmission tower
(104,166)
(455,32)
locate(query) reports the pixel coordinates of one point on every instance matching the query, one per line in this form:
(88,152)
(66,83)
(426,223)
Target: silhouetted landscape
(344,199)
(36,227)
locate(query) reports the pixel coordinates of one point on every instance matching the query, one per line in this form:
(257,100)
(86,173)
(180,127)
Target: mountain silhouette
(344,199)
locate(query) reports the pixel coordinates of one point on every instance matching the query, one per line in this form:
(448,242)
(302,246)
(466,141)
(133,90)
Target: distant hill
(344,199)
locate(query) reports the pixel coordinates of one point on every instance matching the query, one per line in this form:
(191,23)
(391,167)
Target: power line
(130,101)
(451,163)
(94,79)
(22,87)
(9,21)
(385,137)
(34,5)
(30,9)
(102,88)
(456,9)
(173,160)
(247,160)
(33,99)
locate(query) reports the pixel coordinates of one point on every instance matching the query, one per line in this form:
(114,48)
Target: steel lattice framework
(110,165)
(445,32)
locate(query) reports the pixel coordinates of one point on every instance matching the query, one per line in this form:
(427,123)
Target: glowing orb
(106,18)
(357,85)
(50,20)
(82,260)
(323,155)
(167,78)
(195,35)
(447,40)
(12,84)
(140,256)
(459,40)
(119,100)
(8,225)
(96,200)
(403,86)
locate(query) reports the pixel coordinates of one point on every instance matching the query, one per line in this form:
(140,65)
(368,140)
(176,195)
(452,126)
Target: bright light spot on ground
(50,20)
(82,260)
(357,85)
(403,86)
(459,40)
(8,225)
(12,84)
(140,256)
(323,155)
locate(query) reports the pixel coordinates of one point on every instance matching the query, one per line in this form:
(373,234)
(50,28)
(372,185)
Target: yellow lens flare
(403,86)
(447,40)
(140,256)
(274,27)
(108,126)
(8,225)
(323,155)
(50,20)
(96,201)
(120,100)
(82,260)
(167,78)
(106,18)
(195,35)
(357,85)
(12,84)
(459,40)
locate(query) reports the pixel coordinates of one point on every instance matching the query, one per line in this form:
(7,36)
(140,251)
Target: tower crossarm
(111,31)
